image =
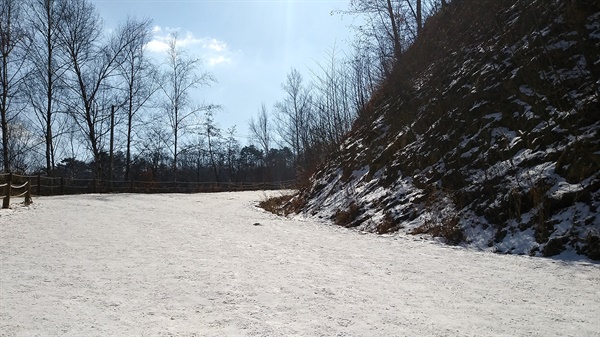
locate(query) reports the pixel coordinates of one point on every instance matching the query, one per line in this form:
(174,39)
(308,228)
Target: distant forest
(79,101)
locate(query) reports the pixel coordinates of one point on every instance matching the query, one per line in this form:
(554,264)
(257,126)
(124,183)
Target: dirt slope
(486,134)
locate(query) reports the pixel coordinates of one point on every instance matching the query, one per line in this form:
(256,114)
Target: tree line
(80,100)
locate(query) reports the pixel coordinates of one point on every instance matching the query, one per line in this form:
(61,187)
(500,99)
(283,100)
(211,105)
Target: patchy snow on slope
(563,45)
(514,164)
(195,265)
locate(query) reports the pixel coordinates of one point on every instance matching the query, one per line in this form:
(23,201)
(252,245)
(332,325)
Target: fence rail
(42,185)
(14,191)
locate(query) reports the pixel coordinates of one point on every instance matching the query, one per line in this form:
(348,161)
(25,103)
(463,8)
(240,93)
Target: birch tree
(179,79)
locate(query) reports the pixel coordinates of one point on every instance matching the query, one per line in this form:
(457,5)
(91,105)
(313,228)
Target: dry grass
(347,217)
(387,225)
(591,247)
(448,228)
(275,204)
(283,204)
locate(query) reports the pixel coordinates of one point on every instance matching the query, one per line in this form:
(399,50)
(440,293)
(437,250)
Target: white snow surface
(196,265)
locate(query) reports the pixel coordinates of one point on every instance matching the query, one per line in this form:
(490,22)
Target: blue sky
(248,45)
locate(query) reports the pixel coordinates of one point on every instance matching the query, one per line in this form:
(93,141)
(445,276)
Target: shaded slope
(486,134)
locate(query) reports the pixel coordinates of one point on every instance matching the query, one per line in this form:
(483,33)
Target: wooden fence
(10,190)
(42,185)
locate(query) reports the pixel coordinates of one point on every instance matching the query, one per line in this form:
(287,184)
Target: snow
(196,265)
(478,104)
(526,90)
(494,116)
(470,152)
(562,187)
(562,45)
(358,174)
(527,109)
(521,241)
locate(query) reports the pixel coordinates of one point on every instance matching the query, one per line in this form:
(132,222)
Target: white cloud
(157,46)
(214,44)
(213,61)
(212,50)
(189,40)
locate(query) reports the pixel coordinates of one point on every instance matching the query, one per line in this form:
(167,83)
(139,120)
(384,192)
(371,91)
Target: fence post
(62,185)
(6,201)
(131,186)
(39,184)
(94,186)
(28,200)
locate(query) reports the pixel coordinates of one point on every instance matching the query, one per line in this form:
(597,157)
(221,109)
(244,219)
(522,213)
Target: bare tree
(363,77)
(44,89)
(22,146)
(212,134)
(14,47)
(260,128)
(90,64)
(153,142)
(390,26)
(92,61)
(138,75)
(232,150)
(333,103)
(383,20)
(180,78)
(293,115)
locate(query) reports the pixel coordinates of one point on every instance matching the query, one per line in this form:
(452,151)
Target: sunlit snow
(216,265)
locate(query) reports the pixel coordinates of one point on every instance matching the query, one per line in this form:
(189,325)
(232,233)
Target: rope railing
(21,195)
(11,190)
(44,185)
(20,186)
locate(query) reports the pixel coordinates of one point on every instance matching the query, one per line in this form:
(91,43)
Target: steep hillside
(487,134)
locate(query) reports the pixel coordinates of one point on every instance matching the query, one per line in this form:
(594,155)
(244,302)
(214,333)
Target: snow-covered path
(195,265)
